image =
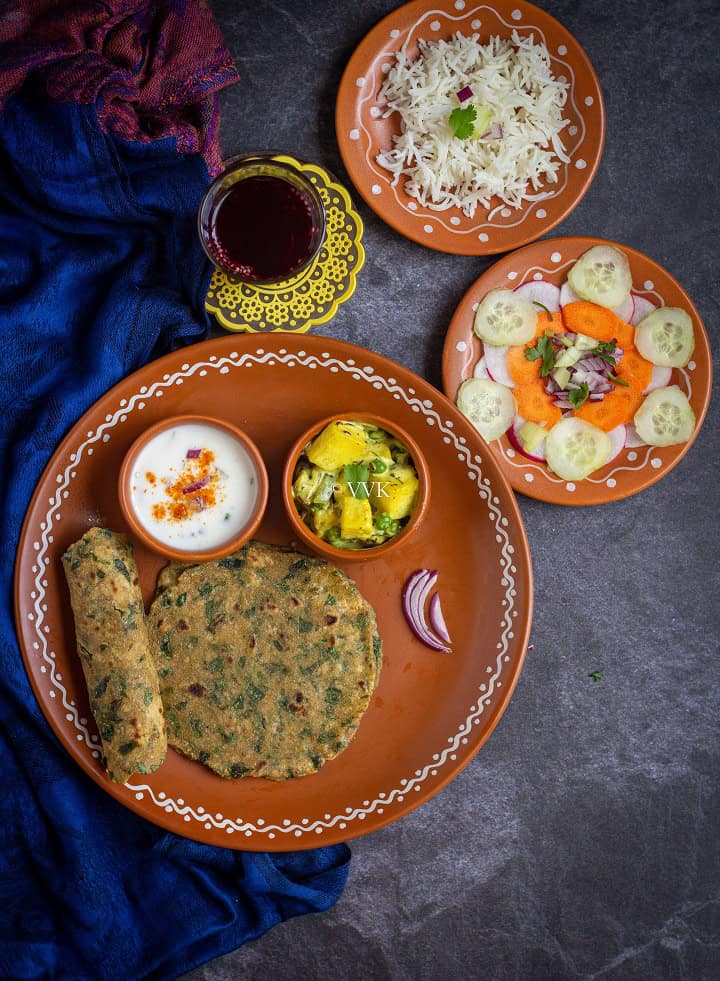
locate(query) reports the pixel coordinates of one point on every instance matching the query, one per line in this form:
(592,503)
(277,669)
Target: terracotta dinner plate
(635,468)
(431,712)
(362,132)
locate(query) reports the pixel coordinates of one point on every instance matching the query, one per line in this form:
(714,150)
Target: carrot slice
(553,322)
(534,404)
(521,370)
(635,370)
(598,322)
(616,409)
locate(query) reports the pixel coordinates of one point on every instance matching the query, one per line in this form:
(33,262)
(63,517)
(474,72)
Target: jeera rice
(519,152)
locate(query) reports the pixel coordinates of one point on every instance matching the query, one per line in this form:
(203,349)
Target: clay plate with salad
(585,366)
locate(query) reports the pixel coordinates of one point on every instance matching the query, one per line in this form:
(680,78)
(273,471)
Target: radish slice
(626,310)
(538,454)
(632,439)
(642,308)
(540,291)
(660,378)
(568,295)
(480,370)
(496,365)
(618,436)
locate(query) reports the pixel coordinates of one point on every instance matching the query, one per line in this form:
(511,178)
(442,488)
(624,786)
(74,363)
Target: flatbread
(267,661)
(112,642)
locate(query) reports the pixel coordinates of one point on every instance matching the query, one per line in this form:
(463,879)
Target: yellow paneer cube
(338,444)
(395,492)
(374,451)
(325,519)
(356,518)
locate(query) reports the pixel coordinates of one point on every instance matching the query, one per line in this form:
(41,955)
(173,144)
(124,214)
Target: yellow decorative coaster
(313,296)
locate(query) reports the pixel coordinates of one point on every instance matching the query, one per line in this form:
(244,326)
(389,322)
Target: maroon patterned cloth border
(152,67)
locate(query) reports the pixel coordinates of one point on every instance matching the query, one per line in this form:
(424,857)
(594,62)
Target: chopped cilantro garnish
(543,349)
(595,675)
(618,381)
(606,351)
(578,396)
(462,122)
(357,475)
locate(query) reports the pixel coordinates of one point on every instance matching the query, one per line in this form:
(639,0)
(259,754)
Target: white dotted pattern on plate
(506,550)
(641,458)
(371,84)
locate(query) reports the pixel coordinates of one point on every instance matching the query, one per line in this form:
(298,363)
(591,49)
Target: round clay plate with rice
(431,711)
(635,465)
(364,130)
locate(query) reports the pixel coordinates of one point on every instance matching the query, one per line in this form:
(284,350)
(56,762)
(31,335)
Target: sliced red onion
(414,594)
(192,454)
(198,485)
(465,94)
(200,503)
(437,620)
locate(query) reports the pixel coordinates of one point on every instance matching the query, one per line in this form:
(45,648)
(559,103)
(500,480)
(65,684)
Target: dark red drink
(262,228)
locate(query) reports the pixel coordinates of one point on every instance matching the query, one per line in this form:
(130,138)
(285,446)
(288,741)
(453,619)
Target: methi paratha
(267,661)
(112,642)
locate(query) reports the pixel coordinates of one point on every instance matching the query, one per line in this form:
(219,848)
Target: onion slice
(192,454)
(414,595)
(437,620)
(198,485)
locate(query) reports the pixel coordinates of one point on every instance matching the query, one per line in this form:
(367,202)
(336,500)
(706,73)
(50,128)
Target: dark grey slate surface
(583,840)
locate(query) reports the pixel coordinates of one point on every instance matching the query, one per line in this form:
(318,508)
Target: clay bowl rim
(186,555)
(363,554)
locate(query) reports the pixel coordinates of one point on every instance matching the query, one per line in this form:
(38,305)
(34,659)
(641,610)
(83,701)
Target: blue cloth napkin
(101,270)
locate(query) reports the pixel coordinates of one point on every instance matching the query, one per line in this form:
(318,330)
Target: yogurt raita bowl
(193,488)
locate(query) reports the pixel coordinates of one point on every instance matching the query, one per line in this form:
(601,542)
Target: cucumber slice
(489,407)
(665,417)
(575,448)
(585,343)
(602,276)
(568,357)
(504,318)
(666,337)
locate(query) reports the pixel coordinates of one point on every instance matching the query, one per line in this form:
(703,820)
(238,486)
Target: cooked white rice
(513,79)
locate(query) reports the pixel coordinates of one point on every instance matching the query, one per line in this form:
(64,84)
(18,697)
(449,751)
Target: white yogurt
(193,486)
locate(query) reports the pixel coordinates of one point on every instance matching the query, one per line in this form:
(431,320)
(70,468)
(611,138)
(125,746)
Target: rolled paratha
(112,642)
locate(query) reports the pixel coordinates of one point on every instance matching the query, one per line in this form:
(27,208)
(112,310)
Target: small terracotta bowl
(187,555)
(364,554)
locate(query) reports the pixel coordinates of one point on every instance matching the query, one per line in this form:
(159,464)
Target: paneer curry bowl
(355,485)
